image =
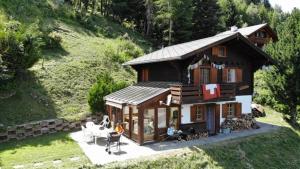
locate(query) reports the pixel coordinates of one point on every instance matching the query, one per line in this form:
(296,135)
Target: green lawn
(44,149)
(280,149)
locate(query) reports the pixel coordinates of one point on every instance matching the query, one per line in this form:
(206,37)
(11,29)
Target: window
(231,76)
(231,110)
(222,51)
(205,76)
(162,118)
(261,34)
(199,114)
(174,113)
(219,51)
(126,117)
(149,124)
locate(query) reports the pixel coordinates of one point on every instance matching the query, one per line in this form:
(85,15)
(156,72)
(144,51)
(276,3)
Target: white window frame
(199,113)
(162,118)
(205,77)
(231,110)
(231,76)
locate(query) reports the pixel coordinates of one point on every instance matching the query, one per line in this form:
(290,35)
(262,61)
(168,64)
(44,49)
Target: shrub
(104,86)
(18,50)
(52,40)
(123,52)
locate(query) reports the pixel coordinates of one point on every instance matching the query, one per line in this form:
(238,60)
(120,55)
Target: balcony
(185,94)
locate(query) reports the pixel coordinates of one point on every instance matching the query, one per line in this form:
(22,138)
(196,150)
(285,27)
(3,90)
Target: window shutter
(217,117)
(196,76)
(203,110)
(238,110)
(224,75)
(239,75)
(215,51)
(193,113)
(146,74)
(224,110)
(213,75)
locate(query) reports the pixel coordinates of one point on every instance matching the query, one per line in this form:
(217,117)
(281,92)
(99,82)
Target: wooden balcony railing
(184,94)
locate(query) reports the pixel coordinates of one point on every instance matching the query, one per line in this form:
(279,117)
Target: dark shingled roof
(177,52)
(184,50)
(139,92)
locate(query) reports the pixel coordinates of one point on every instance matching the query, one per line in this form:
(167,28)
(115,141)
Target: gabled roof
(138,93)
(247,31)
(184,50)
(179,51)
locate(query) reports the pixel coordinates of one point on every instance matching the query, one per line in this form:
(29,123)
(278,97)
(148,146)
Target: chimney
(233,28)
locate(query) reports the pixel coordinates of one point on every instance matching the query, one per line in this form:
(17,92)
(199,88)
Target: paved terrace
(130,150)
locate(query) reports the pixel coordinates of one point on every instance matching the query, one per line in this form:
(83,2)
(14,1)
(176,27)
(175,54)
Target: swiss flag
(211,91)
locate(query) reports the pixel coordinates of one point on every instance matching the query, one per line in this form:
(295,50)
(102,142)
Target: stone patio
(131,150)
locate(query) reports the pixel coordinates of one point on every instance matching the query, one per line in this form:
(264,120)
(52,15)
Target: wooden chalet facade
(202,82)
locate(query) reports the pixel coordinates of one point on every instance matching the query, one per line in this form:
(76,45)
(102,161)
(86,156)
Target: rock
(57,162)
(18,166)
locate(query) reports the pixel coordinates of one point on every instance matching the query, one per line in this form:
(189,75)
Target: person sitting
(171,130)
(172,133)
(119,129)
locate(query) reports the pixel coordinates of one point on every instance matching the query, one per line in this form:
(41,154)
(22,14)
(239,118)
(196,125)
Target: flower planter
(226,130)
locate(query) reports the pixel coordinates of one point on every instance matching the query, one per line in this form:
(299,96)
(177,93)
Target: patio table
(97,132)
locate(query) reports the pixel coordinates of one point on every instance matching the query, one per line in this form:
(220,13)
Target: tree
(284,79)
(229,14)
(174,17)
(205,18)
(19,51)
(104,86)
(149,16)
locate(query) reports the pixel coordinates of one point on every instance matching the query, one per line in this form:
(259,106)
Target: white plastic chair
(89,125)
(87,135)
(105,122)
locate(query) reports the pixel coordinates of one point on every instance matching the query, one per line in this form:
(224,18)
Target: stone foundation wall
(38,128)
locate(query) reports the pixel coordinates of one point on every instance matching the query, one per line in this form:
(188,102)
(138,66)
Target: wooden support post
(130,122)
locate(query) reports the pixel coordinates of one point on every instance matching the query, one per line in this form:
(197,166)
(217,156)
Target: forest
(24,42)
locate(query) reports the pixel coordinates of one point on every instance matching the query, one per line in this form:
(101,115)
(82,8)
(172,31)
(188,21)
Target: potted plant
(225,127)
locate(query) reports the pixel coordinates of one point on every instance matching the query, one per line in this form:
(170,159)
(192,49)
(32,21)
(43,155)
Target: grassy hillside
(57,85)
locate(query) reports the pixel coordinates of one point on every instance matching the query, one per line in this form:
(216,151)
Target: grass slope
(57,86)
(275,150)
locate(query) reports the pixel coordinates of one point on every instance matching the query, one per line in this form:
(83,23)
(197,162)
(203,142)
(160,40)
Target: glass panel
(149,125)
(231,75)
(199,114)
(205,76)
(126,117)
(174,113)
(135,123)
(162,117)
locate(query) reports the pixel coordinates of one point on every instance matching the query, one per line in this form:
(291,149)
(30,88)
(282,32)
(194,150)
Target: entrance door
(149,130)
(210,119)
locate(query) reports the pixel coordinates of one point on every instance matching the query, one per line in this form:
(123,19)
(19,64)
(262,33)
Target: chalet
(201,82)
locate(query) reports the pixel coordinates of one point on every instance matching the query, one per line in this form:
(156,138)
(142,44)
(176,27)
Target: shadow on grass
(274,150)
(295,126)
(30,103)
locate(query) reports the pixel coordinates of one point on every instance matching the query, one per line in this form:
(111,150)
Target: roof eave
(268,57)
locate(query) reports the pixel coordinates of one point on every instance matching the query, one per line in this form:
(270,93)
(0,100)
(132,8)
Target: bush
(18,50)
(123,52)
(52,40)
(104,86)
